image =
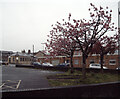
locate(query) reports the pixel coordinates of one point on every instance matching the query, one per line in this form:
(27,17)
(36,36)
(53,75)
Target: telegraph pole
(33,49)
(33,53)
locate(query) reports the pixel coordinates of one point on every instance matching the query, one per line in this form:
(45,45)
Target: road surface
(14,78)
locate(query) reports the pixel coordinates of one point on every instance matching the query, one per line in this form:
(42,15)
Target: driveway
(14,78)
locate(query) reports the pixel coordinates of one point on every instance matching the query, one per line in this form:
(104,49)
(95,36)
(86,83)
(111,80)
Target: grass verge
(65,79)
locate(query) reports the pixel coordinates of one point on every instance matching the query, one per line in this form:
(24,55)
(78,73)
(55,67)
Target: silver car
(47,64)
(96,66)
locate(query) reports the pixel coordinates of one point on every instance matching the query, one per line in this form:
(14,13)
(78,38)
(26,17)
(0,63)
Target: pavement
(14,78)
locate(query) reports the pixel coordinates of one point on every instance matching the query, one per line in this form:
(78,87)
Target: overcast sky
(27,22)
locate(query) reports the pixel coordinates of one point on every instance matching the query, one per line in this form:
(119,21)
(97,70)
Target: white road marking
(2,85)
(18,84)
(9,87)
(15,83)
(11,81)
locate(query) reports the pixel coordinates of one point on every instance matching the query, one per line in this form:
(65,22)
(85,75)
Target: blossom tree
(86,33)
(104,46)
(59,43)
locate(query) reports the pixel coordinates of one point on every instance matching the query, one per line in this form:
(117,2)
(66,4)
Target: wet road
(14,78)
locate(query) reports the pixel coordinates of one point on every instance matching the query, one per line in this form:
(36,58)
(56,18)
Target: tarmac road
(24,78)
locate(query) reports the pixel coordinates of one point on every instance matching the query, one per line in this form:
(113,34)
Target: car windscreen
(95,65)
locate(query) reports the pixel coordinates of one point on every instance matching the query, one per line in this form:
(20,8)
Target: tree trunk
(101,62)
(71,61)
(83,66)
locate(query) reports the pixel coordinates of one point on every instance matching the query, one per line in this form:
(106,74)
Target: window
(55,62)
(92,61)
(67,61)
(13,59)
(76,61)
(112,62)
(76,53)
(23,59)
(20,59)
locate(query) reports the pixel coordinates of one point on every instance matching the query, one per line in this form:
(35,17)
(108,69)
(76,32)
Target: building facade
(4,56)
(111,60)
(20,58)
(41,56)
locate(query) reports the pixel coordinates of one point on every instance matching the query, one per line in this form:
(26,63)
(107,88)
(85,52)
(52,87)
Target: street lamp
(17,58)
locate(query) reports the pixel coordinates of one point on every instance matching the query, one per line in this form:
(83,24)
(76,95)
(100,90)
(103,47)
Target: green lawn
(65,79)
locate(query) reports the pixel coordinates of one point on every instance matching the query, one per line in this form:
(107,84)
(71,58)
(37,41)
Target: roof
(21,54)
(6,52)
(39,52)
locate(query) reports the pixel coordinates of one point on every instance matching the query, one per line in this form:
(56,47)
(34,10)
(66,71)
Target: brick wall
(77,60)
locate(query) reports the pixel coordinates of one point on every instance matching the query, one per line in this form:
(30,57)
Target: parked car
(3,63)
(63,64)
(118,68)
(47,64)
(96,66)
(36,64)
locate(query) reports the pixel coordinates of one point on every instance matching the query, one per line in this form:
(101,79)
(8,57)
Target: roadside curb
(110,89)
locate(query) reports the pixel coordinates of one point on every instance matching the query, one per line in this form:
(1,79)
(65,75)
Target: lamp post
(17,58)
(9,59)
(33,55)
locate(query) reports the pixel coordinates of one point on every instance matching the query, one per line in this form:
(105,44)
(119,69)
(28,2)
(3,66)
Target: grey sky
(27,22)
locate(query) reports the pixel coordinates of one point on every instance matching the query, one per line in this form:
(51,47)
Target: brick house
(110,60)
(41,56)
